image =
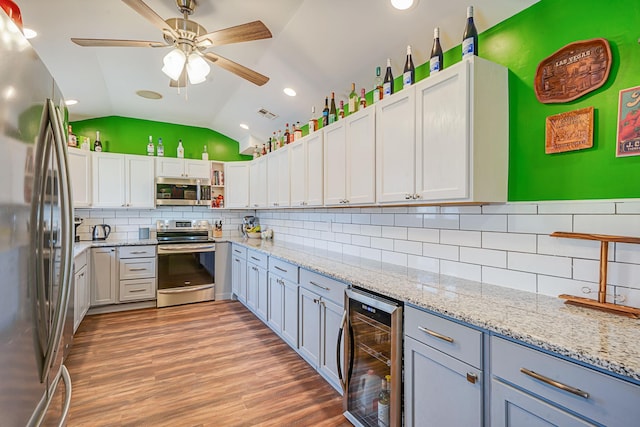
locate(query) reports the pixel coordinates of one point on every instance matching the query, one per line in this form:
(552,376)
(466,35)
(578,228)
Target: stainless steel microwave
(183,192)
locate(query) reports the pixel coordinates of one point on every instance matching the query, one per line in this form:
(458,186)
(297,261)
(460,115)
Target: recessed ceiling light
(243,126)
(289,91)
(402,4)
(29,33)
(148,94)
(71,102)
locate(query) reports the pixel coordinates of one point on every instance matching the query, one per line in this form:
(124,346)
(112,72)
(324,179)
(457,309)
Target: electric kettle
(101,231)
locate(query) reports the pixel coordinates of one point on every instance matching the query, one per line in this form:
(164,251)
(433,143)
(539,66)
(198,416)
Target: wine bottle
(298,132)
(313,122)
(160,148)
(409,72)
(180,150)
(341,110)
(384,399)
(286,134)
(97,144)
(280,139)
(275,142)
(470,36)
(332,111)
(269,146)
(205,153)
(435,63)
(325,112)
(387,85)
(363,99)
(72,141)
(150,148)
(353,99)
(377,86)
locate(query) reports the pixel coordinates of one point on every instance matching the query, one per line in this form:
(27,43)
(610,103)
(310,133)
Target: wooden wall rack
(601,303)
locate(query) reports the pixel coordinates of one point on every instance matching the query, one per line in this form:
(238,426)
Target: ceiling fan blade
(237,69)
(148,13)
(182,80)
(117,43)
(255,30)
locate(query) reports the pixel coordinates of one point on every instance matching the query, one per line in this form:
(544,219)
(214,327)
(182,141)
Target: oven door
(185,273)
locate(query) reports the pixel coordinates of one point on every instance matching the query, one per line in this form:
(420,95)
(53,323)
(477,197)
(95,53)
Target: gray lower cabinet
(239,272)
(257,289)
(443,380)
(104,279)
(137,265)
(282,307)
(82,293)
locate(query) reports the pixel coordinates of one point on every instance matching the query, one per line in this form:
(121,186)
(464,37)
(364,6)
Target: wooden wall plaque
(575,70)
(569,131)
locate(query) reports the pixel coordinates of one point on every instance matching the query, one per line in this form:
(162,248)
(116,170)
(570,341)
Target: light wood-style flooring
(206,364)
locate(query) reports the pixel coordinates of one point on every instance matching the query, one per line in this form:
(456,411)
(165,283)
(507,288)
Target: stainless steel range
(186,262)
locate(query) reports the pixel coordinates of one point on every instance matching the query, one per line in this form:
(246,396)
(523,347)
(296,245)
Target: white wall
(507,245)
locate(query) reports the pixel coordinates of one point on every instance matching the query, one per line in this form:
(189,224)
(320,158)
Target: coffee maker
(76,222)
(248,222)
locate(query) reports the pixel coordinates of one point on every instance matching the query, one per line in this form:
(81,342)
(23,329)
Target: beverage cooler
(372,360)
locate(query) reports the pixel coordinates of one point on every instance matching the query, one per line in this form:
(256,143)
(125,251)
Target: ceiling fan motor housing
(186,6)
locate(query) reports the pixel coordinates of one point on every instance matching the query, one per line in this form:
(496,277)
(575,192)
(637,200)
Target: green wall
(131,136)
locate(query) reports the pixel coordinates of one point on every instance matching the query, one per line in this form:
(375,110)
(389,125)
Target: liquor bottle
(274,141)
(313,122)
(384,399)
(264,150)
(180,150)
(160,148)
(363,99)
(341,110)
(435,63)
(409,72)
(377,87)
(298,133)
(97,144)
(325,112)
(150,148)
(286,134)
(387,84)
(256,153)
(353,99)
(470,36)
(205,153)
(280,138)
(332,111)
(85,145)
(72,141)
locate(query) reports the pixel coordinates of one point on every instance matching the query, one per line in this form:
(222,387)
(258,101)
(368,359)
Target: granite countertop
(81,246)
(606,341)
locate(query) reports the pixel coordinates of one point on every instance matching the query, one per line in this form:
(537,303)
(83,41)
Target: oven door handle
(183,290)
(183,249)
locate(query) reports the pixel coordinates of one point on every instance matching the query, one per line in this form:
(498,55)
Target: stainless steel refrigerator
(36,238)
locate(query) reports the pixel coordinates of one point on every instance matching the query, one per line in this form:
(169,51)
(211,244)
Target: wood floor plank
(206,364)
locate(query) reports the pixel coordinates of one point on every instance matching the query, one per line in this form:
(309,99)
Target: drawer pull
(138,252)
(471,377)
(281,269)
(136,290)
(554,383)
(237,251)
(319,286)
(137,269)
(255,259)
(435,334)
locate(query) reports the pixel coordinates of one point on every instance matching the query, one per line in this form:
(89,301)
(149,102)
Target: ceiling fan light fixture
(174,63)
(197,69)
(402,4)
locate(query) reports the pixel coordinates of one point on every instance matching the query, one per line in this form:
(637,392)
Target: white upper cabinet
(305,160)
(80,177)
(170,167)
(278,178)
(349,160)
(237,184)
(140,182)
(123,181)
(258,183)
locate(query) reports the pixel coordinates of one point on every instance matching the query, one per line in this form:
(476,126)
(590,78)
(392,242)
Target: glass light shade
(402,4)
(174,63)
(197,69)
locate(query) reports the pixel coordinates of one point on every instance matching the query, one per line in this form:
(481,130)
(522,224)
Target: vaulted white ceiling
(318,46)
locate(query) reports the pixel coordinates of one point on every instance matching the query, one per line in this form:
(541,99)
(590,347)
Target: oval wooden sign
(576,69)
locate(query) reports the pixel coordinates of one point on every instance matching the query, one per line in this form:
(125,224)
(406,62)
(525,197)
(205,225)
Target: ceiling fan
(190,41)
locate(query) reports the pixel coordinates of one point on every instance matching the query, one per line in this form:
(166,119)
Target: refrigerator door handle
(343,383)
(67,400)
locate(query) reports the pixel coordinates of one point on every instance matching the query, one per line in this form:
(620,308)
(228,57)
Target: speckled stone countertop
(606,341)
(81,246)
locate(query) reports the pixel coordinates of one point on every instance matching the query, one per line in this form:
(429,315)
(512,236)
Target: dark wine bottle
(97,144)
(332,111)
(470,36)
(409,72)
(435,63)
(387,84)
(325,112)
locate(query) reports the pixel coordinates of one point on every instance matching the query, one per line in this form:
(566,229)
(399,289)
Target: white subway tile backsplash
(483,222)
(423,209)
(334,247)
(626,252)
(430,235)
(424,263)
(586,270)
(361,218)
(440,251)
(361,240)
(394,258)
(544,264)
(511,208)
(407,247)
(371,230)
(351,250)
(617,225)
(370,253)
(628,207)
(343,238)
(509,241)
(460,238)
(576,248)
(382,219)
(626,296)
(509,278)
(394,232)
(461,210)
(488,257)
(460,269)
(343,218)
(408,220)
(623,274)
(450,221)
(379,243)
(554,286)
(351,228)
(577,208)
(541,224)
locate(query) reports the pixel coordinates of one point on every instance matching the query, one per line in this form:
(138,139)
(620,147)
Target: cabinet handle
(319,286)
(281,269)
(315,300)
(138,252)
(255,268)
(137,269)
(472,377)
(407,196)
(554,383)
(254,258)
(137,290)
(435,334)
(237,251)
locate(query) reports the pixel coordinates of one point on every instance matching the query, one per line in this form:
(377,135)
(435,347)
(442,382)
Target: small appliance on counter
(76,222)
(101,232)
(250,226)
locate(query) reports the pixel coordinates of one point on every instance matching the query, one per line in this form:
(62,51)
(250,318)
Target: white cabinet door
(237,184)
(361,157)
(80,177)
(258,183)
(169,167)
(331,318)
(253,279)
(140,183)
(197,169)
(309,326)
(103,276)
(395,147)
(81,304)
(314,165)
(239,278)
(282,182)
(298,173)
(109,177)
(335,164)
(262,295)
(290,313)
(275,303)
(442,134)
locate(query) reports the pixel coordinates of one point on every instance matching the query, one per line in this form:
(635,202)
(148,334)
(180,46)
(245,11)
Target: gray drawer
(137,251)
(137,289)
(258,258)
(137,268)
(452,338)
(326,287)
(239,251)
(283,269)
(610,401)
